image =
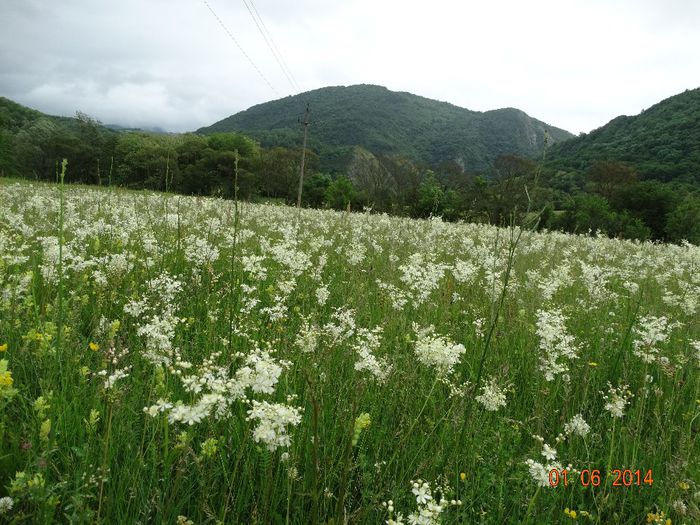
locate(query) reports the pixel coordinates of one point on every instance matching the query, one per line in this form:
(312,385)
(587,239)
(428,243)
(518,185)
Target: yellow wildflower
(5,374)
(361,423)
(6,378)
(45,430)
(592,363)
(570,513)
(683,485)
(462,476)
(3,347)
(94,346)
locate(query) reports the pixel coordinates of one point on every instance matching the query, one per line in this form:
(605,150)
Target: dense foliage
(661,143)
(386,122)
(182,360)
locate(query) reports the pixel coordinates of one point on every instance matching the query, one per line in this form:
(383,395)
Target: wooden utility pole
(303,155)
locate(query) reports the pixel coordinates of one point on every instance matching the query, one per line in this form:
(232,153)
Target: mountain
(662,142)
(146,129)
(388,122)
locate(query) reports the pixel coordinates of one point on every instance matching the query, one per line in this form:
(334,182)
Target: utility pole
(303,155)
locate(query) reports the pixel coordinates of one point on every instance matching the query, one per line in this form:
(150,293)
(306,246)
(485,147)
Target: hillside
(662,142)
(14,116)
(31,142)
(389,122)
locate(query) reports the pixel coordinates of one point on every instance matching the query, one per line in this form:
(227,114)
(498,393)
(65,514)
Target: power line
(275,50)
(233,38)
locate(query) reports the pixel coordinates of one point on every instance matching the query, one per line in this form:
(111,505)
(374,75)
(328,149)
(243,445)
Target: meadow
(184,360)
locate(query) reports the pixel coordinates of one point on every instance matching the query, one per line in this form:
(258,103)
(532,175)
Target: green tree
(610,177)
(315,187)
(650,201)
(341,193)
(507,195)
(431,196)
(683,223)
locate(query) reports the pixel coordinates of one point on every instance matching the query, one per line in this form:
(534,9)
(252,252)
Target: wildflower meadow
(184,360)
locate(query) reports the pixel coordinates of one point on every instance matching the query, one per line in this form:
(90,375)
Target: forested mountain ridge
(386,122)
(662,142)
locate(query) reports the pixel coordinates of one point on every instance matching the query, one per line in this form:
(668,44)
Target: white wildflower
(160,406)
(492,396)
(307,338)
(368,342)
(696,346)
(437,351)
(6,504)
(650,332)
(549,453)
(260,372)
(617,399)
(539,473)
(556,345)
(577,426)
(322,294)
(273,419)
(422,492)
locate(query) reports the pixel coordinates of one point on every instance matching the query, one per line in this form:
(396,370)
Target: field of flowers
(185,360)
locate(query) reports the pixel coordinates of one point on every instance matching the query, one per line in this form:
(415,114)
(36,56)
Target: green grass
(92,454)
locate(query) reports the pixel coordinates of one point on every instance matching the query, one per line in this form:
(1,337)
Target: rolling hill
(388,122)
(662,142)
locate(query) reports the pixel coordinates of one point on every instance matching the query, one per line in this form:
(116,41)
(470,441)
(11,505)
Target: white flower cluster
(260,372)
(577,426)
(421,276)
(199,251)
(368,341)
(539,471)
(288,255)
(253,265)
(696,346)
(322,294)
(492,397)
(650,332)
(617,399)
(307,338)
(273,419)
(155,317)
(595,279)
(437,351)
(430,508)
(687,300)
(342,325)
(464,271)
(557,279)
(398,297)
(556,344)
(115,376)
(6,504)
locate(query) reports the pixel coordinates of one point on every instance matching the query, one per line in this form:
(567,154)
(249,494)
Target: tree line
(609,197)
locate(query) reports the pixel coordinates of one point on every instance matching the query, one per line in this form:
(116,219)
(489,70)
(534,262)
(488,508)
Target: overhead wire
(233,38)
(274,49)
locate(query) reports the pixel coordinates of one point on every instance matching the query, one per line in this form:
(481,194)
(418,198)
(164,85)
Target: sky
(183,64)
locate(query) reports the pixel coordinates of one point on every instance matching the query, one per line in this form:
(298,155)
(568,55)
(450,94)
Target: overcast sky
(575,64)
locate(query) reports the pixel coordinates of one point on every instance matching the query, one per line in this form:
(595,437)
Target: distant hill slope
(662,142)
(389,122)
(14,116)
